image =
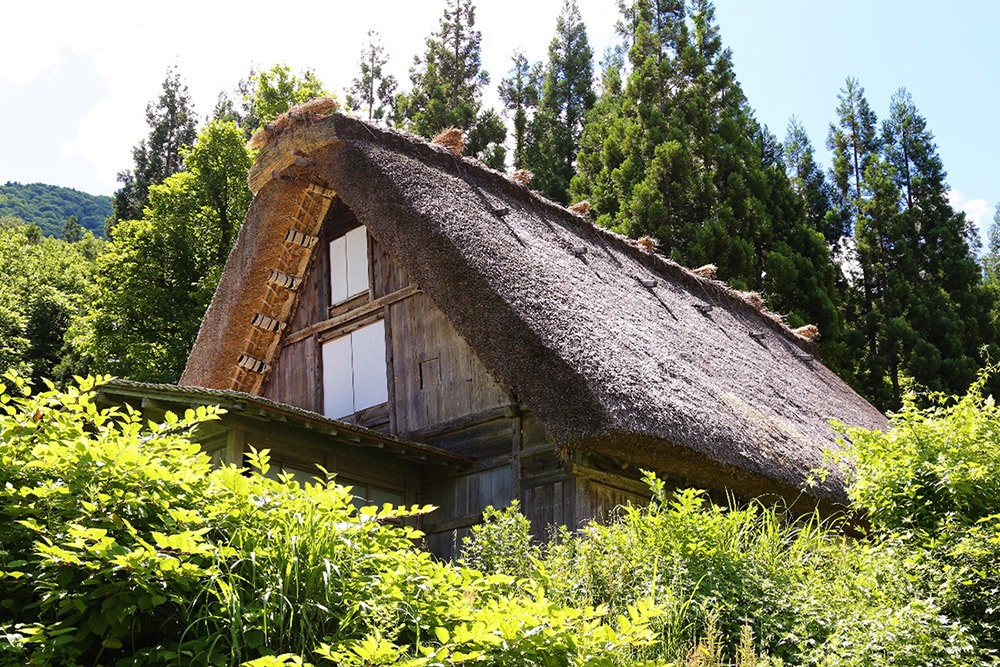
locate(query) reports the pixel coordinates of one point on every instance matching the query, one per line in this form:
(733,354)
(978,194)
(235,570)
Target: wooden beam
(368,309)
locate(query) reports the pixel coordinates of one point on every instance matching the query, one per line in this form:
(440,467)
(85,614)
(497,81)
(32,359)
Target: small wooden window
(348,265)
(354,371)
(430,373)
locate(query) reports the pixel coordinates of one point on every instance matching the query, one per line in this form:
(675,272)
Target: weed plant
(120,545)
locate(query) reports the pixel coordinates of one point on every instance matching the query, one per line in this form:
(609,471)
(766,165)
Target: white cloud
(129,46)
(978,211)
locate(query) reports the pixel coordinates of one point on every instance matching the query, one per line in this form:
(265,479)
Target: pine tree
(949,307)
(566,97)
(519,93)
(447,87)
(172,122)
(810,183)
(991,258)
(373,90)
(915,299)
(674,152)
(853,140)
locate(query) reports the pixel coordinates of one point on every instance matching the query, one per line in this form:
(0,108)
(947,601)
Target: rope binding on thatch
(280,279)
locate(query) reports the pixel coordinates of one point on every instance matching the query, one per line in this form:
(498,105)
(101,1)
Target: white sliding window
(354,371)
(348,265)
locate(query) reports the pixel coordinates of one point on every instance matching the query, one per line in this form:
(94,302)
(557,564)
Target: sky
(75,77)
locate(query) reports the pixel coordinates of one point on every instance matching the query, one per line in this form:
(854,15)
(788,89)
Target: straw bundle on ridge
(451,138)
(708,271)
(809,332)
(309,111)
(522,177)
(648,243)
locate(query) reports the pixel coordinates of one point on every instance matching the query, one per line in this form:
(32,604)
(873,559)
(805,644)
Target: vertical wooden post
(515,455)
(314,370)
(235,442)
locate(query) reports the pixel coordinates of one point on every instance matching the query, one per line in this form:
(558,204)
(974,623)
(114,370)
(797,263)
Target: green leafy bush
(931,488)
(802,592)
(120,545)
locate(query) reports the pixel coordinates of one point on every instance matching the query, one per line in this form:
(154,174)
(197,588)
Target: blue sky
(75,77)
(793,58)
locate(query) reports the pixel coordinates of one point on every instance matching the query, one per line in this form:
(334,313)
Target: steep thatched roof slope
(616,349)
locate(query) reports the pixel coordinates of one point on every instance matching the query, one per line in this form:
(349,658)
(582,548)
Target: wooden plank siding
(437,377)
(439,393)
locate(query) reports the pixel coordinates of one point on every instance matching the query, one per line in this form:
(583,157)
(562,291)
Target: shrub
(749,580)
(120,545)
(931,487)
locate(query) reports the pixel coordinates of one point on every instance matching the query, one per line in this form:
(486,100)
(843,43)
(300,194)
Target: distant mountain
(48,206)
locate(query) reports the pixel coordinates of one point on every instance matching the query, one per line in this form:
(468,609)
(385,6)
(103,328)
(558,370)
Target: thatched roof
(615,348)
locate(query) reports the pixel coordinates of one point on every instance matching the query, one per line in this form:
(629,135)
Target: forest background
(656,133)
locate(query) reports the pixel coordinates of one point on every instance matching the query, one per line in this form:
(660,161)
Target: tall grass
(748,583)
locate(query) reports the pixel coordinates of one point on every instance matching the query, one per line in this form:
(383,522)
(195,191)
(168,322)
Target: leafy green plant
(120,544)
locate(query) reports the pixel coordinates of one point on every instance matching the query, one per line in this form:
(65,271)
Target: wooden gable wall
(434,376)
(439,393)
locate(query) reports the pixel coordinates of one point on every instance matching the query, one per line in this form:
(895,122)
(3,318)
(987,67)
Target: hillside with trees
(49,207)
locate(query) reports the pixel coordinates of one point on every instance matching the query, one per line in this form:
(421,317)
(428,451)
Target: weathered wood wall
(437,377)
(439,393)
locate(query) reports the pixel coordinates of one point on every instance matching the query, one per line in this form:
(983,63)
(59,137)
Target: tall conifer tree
(675,152)
(373,90)
(447,84)
(915,301)
(566,97)
(172,124)
(810,183)
(519,93)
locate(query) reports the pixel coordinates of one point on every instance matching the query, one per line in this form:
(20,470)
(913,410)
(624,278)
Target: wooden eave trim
(247,407)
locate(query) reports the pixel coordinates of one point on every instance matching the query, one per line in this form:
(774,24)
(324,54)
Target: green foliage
(266,94)
(915,299)
(932,483)
(159,273)
(565,95)
(743,581)
(48,206)
(43,283)
(519,93)
(501,543)
(934,470)
(120,545)
(172,122)
(674,152)
(373,91)
(447,84)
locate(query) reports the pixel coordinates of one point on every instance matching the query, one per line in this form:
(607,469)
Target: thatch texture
(616,348)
